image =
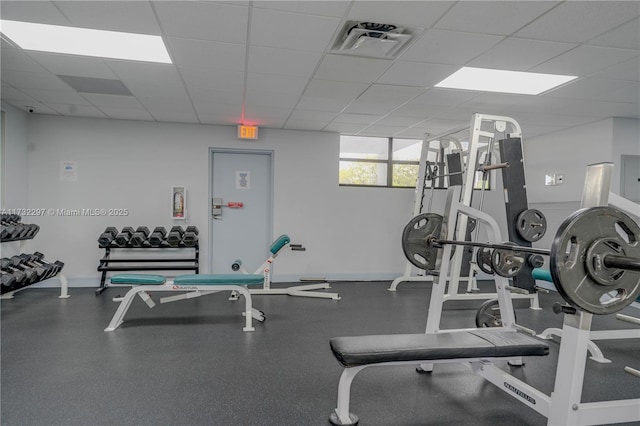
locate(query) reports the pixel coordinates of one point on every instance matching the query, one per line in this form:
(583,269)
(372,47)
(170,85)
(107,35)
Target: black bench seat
(364,350)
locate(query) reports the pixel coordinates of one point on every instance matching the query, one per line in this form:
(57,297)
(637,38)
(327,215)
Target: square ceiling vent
(371,40)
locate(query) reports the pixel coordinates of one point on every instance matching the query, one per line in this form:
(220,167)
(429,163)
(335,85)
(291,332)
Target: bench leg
(341,416)
(118,317)
(147,299)
(248,308)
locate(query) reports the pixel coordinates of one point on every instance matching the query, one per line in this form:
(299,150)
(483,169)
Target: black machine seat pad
(364,350)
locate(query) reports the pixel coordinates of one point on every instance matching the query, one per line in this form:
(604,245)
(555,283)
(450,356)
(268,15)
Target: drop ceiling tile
(350,68)
(143,73)
(128,16)
(219,119)
(213,78)
(112,101)
(282,61)
(399,121)
(166,104)
(120,113)
(175,116)
(585,60)
(422,74)
(153,92)
(305,124)
(302,115)
(493,17)
(598,89)
(436,126)
(579,21)
(367,119)
(15,97)
(627,70)
(274,99)
(626,36)
(78,110)
(449,47)
(208,54)
(383,131)
(80,66)
(309,33)
(421,14)
(41,108)
(411,133)
(605,109)
(44,12)
(335,8)
(417,110)
(211,101)
(518,54)
(203,21)
(381,98)
(325,95)
(68,96)
(33,80)
(344,128)
(274,83)
(533,131)
(444,97)
(18,60)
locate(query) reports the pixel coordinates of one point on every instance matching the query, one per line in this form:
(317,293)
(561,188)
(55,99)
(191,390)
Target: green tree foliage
(358,173)
(405,175)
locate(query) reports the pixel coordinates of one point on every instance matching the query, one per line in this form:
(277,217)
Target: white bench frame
(194,290)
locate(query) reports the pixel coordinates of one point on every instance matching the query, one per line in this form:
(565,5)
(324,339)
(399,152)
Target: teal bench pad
(219,279)
(277,245)
(138,279)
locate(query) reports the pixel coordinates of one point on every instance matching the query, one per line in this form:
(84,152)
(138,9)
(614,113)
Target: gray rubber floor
(190,363)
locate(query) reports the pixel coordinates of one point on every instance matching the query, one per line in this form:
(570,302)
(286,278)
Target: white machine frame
(462,204)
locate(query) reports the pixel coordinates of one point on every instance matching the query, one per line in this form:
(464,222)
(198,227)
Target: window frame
(389,162)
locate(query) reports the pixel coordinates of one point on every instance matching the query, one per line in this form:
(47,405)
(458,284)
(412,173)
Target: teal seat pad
(138,279)
(219,279)
(277,245)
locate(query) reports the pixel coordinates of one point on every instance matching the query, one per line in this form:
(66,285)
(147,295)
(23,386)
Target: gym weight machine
(594,261)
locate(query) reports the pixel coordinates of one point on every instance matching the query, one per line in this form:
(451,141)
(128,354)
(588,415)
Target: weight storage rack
(20,235)
(154,262)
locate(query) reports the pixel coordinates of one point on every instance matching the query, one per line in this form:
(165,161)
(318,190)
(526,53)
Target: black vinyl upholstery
(363,350)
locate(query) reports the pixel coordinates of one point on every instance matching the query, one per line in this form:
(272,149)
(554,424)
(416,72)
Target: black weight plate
(507,263)
(531,225)
(585,229)
(488,314)
(414,240)
(483,260)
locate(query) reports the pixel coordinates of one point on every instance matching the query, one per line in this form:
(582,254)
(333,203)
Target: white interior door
(241,233)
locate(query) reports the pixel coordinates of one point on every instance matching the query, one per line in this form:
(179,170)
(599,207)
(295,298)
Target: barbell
(594,257)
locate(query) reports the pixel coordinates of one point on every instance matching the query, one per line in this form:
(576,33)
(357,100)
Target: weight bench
(476,347)
(195,284)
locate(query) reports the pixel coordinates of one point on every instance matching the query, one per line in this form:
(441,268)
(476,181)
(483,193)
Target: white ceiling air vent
(371,39)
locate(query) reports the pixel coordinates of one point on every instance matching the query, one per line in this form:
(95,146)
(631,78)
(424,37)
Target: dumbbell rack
(109,264)
(64,286)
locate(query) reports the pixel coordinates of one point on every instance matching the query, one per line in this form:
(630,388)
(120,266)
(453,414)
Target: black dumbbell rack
(53,269)
(121,264)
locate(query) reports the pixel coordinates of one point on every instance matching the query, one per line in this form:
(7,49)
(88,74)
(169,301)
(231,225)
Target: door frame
(212,152)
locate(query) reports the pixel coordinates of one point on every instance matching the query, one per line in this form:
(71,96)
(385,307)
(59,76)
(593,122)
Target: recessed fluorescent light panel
(86,42)
(502,81)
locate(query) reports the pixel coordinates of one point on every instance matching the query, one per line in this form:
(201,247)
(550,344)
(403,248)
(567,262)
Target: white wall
(569,152)
(626,141)
(15,158)
(350,233)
